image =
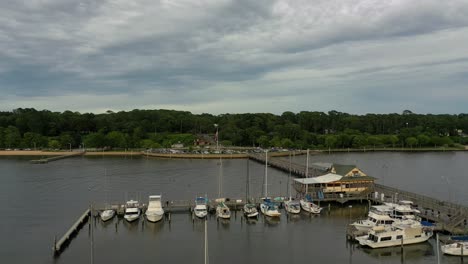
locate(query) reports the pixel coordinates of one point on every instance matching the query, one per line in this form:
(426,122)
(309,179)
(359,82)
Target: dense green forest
(29,128)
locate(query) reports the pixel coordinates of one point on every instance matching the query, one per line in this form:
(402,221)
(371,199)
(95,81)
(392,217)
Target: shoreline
(7,153)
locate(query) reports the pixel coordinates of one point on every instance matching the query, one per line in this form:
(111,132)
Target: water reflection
(154,228)
(409,253)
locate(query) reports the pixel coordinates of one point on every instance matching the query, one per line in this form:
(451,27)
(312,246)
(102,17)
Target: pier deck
(66,238)
(47,160)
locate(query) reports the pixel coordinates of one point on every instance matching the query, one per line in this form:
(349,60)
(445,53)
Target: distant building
(335,179)
(177,145)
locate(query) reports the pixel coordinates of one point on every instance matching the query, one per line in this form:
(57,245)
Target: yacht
(132,211)
(201,207)
(107,214)
(155,211)
(396,235)
(373,219)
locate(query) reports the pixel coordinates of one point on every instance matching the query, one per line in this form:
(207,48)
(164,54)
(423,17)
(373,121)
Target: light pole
(70,145)
(216,137)
(34,145)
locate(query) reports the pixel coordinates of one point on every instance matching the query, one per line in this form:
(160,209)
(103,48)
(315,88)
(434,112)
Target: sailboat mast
(289,178)
(307,171)
(206,241)
(247,187)
(266,173)
(220,177)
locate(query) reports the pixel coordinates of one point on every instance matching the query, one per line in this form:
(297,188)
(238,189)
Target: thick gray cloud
(223,56)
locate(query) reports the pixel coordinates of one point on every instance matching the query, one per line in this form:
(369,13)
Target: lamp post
(34,145)
(70,145)
(217,140)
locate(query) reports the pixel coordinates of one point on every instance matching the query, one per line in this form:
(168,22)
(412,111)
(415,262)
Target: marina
(177,206)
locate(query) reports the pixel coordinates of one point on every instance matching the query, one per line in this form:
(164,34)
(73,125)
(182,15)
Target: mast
(289,178)
(206,242)
(307,171)
(247,187)
(266,174)
(220,176)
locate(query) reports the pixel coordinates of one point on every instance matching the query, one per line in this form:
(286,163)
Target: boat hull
(154,217)
(201,214)
(455,249)
(131,218)
(310,207)
(107,215)
(392,243)
(292,209)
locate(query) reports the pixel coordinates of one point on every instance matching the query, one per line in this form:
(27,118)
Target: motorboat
(396,235)
(107,215)
(201,207)
(292,206)
(132,211)
(373,219)
(222,211)
(458,248)
(155,212)
(269,208)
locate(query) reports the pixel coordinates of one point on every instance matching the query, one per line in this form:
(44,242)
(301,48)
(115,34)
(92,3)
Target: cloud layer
(222,56)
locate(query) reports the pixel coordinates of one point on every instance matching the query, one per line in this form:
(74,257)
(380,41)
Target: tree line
(30,128)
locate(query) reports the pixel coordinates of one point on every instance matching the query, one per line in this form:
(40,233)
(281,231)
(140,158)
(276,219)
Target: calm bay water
(41,201)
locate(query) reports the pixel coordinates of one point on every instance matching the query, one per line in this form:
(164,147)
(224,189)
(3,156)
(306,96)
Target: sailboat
(268,207)
(306,203)
(250,209)
(108,213)
(222,210)
(291,206)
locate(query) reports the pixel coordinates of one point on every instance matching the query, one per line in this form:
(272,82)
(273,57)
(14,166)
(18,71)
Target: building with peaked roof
(335,179)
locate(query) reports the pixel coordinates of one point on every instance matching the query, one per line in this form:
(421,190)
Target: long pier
(68,236)
(47,160)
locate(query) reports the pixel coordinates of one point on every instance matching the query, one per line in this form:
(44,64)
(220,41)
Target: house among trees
(335,179)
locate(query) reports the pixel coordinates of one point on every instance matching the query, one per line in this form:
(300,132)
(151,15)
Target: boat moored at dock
(132,211)
(155,212)
(107,215)
(201,207)
(390,236)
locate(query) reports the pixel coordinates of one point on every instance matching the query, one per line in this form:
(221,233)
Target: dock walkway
(47,160)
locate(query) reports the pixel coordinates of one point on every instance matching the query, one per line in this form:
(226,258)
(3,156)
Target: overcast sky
(223,56)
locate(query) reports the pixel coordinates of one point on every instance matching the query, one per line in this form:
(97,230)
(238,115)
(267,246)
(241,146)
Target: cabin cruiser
(155,212)
(201,207)
(373,219)
(396,235)
(132,211)
(269,208)
(107,214)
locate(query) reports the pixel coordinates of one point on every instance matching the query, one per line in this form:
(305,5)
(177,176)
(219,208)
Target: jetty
(71,232)
(50,159)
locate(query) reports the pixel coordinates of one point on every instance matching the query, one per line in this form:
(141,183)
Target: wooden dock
(47,160)
(72,231)
(284,165)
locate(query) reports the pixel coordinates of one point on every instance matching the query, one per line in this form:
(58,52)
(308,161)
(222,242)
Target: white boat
(291,206)
(373,219)
(201,207)
(250,209)
(390,236)
(132,211)
(222,211)
(155,212)
(267,207)
(107,215)
(306,203)
(459,248)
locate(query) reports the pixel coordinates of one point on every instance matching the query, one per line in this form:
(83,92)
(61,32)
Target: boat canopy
(327,178)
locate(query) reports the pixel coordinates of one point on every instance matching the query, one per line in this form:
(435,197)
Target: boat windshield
(131,213)
(200,210)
